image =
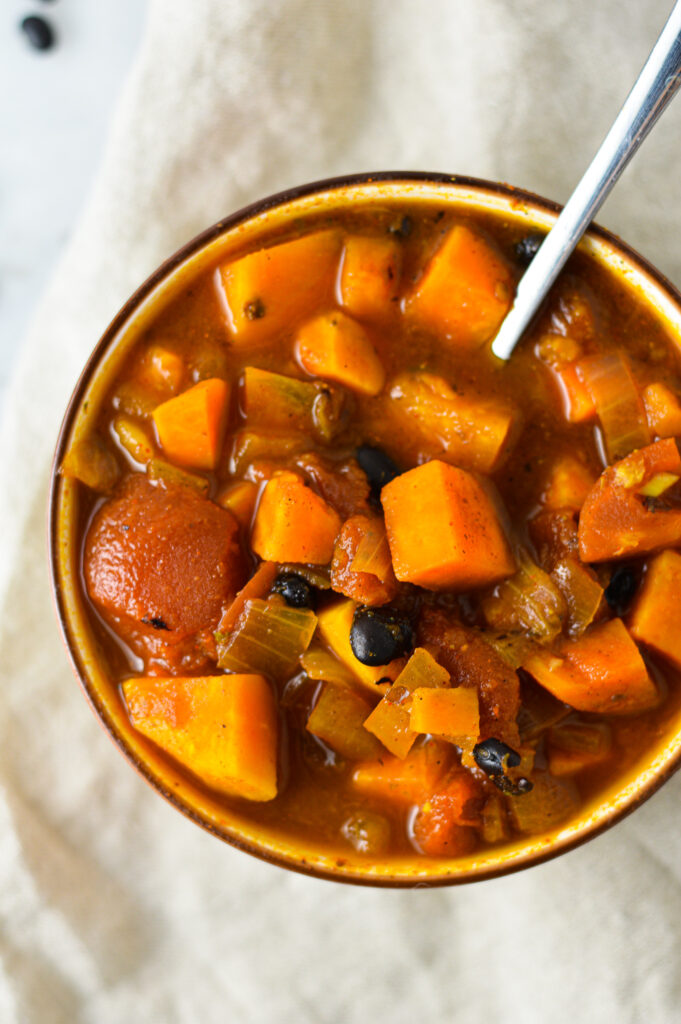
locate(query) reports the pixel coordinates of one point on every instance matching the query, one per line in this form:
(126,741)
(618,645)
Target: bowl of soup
(351,593)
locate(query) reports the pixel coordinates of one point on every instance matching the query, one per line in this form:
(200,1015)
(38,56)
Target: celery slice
(268,638)
(581,590)
(529,600)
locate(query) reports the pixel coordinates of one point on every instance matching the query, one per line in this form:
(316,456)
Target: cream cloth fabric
(114,908)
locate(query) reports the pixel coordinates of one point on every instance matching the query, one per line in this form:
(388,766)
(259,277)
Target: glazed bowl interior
(245,229)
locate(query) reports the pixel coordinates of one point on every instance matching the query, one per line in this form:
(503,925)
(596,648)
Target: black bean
(38,32)
(494,757)
(620,590)
(295,590)
(403,229)
(379,468)
(526,249)
(377,636)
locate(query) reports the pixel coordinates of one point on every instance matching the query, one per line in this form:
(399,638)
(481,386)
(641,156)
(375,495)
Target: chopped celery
(250,445)
(512,647)
(581,590)
(316,575)
(165,473)
(93,463)
(134,438)
(618,403)
(268,637)
(528,600)
(278,402)
(657,485)
(538,710)
(582,737)
(549,803)
(338,718)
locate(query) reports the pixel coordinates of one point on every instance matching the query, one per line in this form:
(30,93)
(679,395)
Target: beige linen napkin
(113,907)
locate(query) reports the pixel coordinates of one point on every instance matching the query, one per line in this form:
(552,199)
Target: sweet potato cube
(333,624)
(239,498)
(465,290)
(270,290)
(453,713)
(390,719)
(293,524)
(338,719)
(656,616)
(443,530)
(411,780)
(369,275)
(569,481)
(471,431)
(222,728)
(335,347)
(601,672)
(191,425)
(663,410)
(162,370)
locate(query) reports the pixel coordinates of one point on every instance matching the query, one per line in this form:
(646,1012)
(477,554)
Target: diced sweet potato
(162,370)
(375,585)
(453,714)
(335,347)
(654,619)
(405,781)
(222,728)
(663,410)
(338,718)
(269,291)
(334,624)
(443,530)
(369,275)
(568,483)
(616,520)
(239,499)
(390,720)
(601,672)
(190,426)
(472,662)
(293,524)
(472,432)
(464,292)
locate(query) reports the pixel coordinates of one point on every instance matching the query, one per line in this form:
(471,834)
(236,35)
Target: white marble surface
(54,111)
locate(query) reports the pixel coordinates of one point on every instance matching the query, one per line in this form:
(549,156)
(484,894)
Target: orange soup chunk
(578,405)
(268,291)
(619,517)
(601,672)
(465,290)
(162,560)
(443,529)
(409,780)
(293,524)
(223,728)
(663,410)
(369,275)
(335,347)
(568,483)
(656,616)
(191,425)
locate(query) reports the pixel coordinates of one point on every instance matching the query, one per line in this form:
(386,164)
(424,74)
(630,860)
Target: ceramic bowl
(210,811)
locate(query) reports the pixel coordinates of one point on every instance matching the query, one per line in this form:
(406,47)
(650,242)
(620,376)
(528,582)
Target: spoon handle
(654,88)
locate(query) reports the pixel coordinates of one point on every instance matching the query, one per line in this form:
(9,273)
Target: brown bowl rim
(521,196)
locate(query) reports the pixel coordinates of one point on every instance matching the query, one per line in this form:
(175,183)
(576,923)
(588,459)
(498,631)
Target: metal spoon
(654,88)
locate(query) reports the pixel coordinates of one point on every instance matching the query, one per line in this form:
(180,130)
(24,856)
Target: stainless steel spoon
(654,88)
